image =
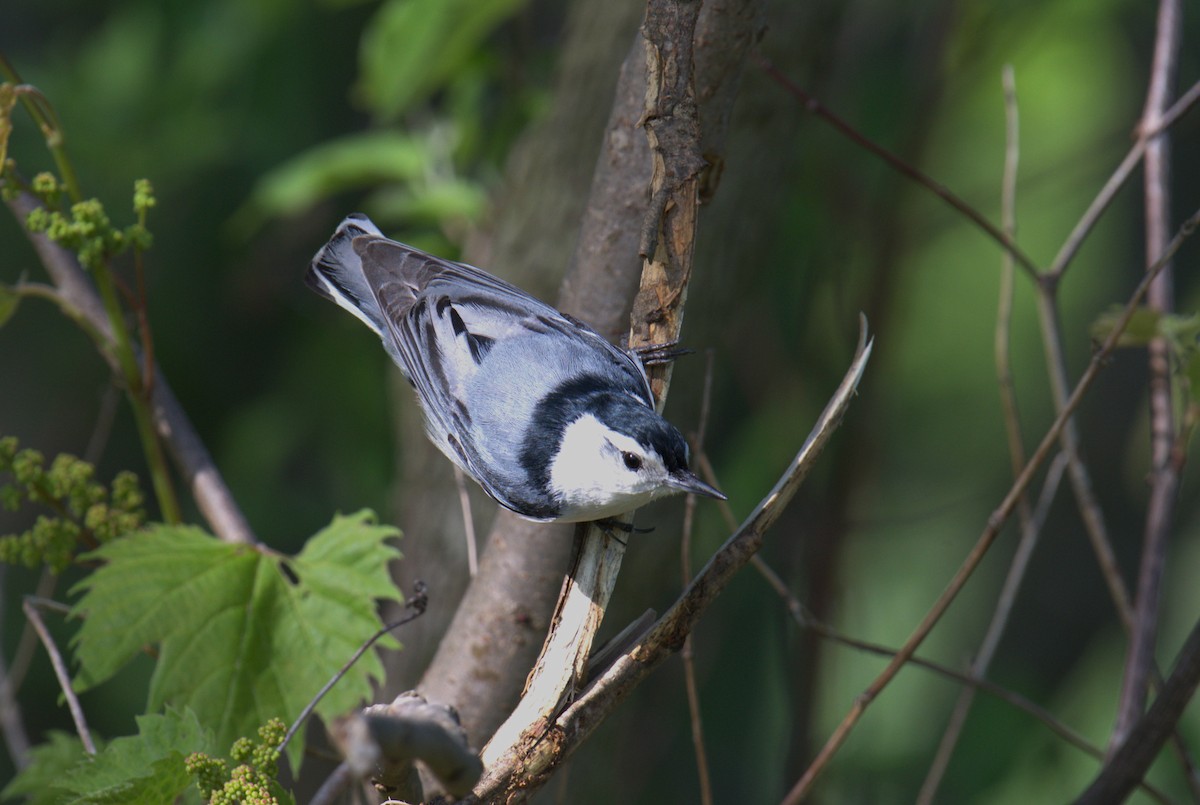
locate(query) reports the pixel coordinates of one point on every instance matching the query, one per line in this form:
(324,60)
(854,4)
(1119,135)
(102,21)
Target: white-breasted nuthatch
(552,420)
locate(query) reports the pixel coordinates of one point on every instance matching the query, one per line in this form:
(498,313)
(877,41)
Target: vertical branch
(1016,451)
(1128,764)
(1164,473)
(995,522)
(672,130)
(686,654)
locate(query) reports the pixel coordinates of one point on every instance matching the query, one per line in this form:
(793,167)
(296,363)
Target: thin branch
(805,620)
(1164,475)
(1116,181)
(685,568)
(1031,529)
(1016,446)
(1050,322)
(416,608)
(30,606)
(12,724)
(995,522)
(971,681)
(27,645)
(519,772)
(813,105)
(464,501)
(1129,763)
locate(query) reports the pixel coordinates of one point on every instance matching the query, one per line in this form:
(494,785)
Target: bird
(552,420)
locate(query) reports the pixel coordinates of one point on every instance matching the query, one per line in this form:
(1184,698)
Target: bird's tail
(336,272)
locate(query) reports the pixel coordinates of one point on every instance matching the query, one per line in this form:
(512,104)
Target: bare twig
(464,500)
(1129,763)
(1164,473)
(517,773)
(416,608)
(1031,529)
(27,645)
(813,105)
(685,568)
(30,605)
(12,724)
(1016,448)
(1049,319)
(995,522)
(805,620)
(1115,182)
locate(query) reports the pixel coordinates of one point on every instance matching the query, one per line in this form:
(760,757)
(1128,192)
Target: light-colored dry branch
(30,607)
(1164,472)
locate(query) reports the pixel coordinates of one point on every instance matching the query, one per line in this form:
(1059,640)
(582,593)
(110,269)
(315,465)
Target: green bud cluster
(83,513)
(86,229)
(251,781)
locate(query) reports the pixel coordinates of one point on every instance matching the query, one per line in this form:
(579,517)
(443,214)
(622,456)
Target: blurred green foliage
(263,122)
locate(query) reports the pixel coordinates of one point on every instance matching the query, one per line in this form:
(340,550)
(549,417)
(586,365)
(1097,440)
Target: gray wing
(460,334)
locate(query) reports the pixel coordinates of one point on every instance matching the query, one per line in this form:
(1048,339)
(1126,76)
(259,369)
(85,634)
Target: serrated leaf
(41,781)
(8,303)
(411,47)
(1182,331)
(1191,370)
(239,642)
(143,769)
(1142,327)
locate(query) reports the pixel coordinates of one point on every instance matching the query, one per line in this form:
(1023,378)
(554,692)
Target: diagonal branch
(995,522)
(191,457)
(516,774)
(1164,472)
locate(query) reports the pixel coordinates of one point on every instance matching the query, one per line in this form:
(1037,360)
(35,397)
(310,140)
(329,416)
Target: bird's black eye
(632,460)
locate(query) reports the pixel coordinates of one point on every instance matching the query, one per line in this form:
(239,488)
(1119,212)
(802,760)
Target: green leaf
(143,769)
(1182,331)
(8,303)
(1142,328)
(445,199)
(239,641)
(42,780)
(1191,370)
(412,47)
(354,161)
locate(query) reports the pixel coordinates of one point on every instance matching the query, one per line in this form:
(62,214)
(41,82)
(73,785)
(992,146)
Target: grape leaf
(42,780)
(142,769)
(243,634)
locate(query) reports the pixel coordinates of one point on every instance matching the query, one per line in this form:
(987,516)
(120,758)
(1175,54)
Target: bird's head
(616,455)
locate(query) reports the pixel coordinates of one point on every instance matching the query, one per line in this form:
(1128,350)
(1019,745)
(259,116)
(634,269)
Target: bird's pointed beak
(687,481)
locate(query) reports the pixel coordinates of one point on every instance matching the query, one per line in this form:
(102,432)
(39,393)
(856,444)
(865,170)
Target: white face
(601,473)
